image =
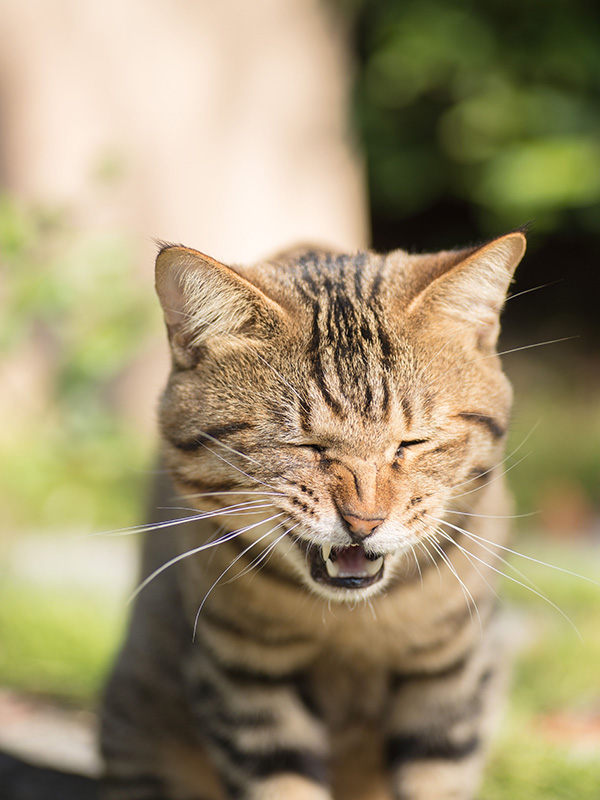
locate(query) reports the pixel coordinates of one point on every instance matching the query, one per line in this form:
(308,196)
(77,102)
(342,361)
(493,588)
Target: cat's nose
(360,527)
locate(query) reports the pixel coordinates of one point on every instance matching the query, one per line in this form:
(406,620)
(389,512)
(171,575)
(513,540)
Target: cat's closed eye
(405,445)
(313,447)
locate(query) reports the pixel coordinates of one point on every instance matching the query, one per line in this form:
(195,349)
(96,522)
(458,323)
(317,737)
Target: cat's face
(354,394)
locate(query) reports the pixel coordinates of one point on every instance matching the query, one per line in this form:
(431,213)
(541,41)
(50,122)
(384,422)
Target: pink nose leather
(361,527)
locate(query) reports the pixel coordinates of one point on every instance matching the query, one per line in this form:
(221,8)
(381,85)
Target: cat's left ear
(474,290)
(205,301)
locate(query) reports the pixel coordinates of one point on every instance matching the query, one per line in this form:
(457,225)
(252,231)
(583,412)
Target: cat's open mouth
(347,567)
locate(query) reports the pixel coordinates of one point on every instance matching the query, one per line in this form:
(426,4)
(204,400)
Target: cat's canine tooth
(333,569)
(325,551)
(373,567)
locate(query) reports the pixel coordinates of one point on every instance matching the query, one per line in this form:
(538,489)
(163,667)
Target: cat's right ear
(204,300)
(473,290)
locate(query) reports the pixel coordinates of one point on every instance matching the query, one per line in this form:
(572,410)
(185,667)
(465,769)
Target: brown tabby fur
(333,400)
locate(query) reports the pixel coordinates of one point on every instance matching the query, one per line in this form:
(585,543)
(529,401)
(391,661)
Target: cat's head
(350,396)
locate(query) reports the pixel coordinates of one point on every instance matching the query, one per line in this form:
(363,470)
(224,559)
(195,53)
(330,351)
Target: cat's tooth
(333,569)
(373,567)
(325,551)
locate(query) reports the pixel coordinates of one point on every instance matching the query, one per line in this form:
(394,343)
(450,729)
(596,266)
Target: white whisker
(469,599)
(227,447)
(504,460)
(206,546)
(493,480)
(424,547)
(491,516)
(496,555)
(216,535)
(150,526)
(369,602)
(525,586)
(254,565)
(533,289)
(252,505)
(257,560)
(520,555)
(523,347)
(180,557)
(233,466)
(195,517)
(235,560)
(469,556)
(414,552)
(490,547)
(227,491)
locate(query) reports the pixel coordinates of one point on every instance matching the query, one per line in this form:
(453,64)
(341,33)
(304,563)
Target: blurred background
(239,129)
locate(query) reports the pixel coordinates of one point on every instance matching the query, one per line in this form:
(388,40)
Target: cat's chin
(342,568)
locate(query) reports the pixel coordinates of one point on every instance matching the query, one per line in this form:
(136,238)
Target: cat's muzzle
(344,567)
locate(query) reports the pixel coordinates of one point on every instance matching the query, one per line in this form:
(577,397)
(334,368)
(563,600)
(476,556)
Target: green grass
(554,441)
(57,642)
(524,767)
(556,673)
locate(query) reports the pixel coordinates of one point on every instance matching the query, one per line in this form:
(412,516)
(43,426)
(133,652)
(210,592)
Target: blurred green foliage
(57,642)
(554,441)
(493,104)
(74,316)
(555,678)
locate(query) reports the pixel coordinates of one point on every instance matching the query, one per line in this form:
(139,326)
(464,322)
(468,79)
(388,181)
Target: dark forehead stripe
(377,281)
(325,270)
(359,261)
(307,283)
(385,403)
(304,413)
(489,423)
(348,346)
(319,378)
(344,274)
(407,409)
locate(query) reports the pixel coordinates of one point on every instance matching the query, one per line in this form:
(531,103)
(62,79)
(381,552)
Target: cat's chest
(347,693)
(366,651)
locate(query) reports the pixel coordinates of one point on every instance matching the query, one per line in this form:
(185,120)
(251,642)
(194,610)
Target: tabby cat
(324,623)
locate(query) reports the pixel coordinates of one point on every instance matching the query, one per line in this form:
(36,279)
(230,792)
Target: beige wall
(224,124)
(220,124)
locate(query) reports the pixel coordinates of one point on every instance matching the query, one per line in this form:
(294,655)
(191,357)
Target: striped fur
(332,631)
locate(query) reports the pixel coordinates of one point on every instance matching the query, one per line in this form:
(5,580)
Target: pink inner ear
(473,291)
(173,303)
(172,298)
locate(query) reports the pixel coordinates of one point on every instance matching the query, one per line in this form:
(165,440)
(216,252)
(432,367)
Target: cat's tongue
(351,562)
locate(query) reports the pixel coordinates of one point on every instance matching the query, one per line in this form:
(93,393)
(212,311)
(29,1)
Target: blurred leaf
(74,314)
(552,173)
(496,103)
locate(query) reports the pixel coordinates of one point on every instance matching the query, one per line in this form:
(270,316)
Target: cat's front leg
(439,729)
(265,742)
